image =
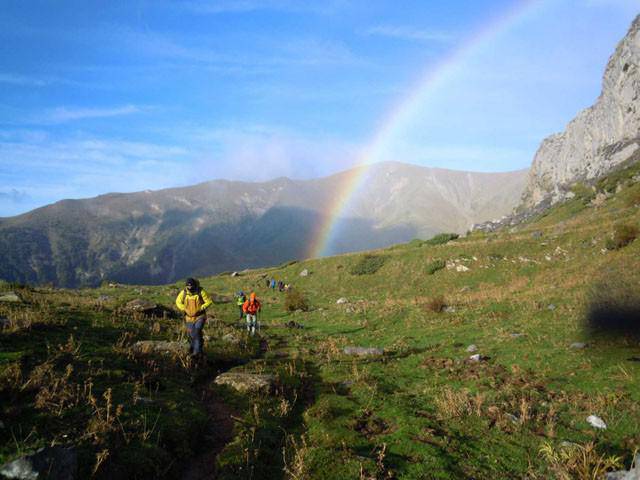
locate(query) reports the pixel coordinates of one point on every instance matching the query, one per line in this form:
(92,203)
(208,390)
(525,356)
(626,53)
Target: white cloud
(246,6)
(405,32)
(66,114)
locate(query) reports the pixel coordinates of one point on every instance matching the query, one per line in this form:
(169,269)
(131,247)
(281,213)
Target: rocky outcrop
(600,138)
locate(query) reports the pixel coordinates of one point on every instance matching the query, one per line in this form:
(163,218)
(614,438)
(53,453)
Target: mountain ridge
(162,235)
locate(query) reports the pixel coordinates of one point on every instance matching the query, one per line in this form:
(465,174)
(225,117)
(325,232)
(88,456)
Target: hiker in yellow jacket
(194,301)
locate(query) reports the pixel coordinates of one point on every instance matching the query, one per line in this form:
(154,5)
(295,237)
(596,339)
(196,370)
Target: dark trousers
(195,335)
(241,312)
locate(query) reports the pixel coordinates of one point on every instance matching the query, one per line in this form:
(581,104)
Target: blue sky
(131,95)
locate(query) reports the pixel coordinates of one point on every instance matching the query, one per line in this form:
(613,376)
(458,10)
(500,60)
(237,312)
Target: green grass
(422,410)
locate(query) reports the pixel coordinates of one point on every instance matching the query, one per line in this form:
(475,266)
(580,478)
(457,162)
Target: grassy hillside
(422,409)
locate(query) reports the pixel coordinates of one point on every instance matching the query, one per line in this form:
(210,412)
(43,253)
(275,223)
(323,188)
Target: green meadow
(419,409)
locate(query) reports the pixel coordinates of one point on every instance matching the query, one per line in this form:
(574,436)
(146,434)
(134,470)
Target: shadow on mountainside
(86,250)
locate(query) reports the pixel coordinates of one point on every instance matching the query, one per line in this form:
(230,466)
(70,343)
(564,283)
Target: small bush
(623,235)
(632,198)
(441,239)
(434,266)
(436,304)
(368,265)
(583,192)
(295,300)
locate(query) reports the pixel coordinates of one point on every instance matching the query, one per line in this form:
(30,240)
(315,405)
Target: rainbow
(399,118)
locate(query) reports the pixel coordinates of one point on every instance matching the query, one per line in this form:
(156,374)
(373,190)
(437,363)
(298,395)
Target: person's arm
(180,301)
(207,300)
(245,305)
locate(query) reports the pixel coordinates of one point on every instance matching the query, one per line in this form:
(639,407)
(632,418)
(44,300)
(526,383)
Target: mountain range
(161,236)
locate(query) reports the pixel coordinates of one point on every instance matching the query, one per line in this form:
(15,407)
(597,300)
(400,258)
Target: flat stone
(363,351)
(10,297)
(472,348)
(516,335)
(52,463)
(231,338)
(578,345)
(304,273)
(247,382)
(462,268)
(140,305)
(159,346)
(341,301)
(551,307)
(478,358)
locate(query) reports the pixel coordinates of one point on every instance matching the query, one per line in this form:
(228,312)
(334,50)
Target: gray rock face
(52,463)
(247,382)
(600,137)
(363,351)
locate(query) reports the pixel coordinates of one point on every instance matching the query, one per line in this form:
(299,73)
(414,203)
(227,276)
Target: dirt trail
(219,432)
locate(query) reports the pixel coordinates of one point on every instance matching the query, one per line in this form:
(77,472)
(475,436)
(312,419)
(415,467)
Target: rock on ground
(159,346)
(472,348)
(140,305)
(596,422)
(633,474)
(304,273)
(363,351)
(52,463)
(247,382)
(10,297)
(578,345)
(342,301)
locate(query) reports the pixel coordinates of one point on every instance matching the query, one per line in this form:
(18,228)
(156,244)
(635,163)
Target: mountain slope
(600,138)
(160,236)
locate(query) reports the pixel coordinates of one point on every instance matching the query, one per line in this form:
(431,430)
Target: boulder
(342,301)
(578,345)
(363,351)
(159,346)
(478,358)
(472,348)
(141,305)
(12,297)
(304,273)
(53,463)
(234,274)
(247,382)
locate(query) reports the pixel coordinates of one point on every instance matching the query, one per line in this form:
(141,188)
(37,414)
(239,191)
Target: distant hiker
(251,308)
(287,287)
(273,284)
(194,301)
(280,286)
(240,299)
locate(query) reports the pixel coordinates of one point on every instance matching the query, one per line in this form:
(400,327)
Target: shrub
(623,235)
(434,266)
(295,300)
(583,192)
(368,265)
(436,304)
(441,239)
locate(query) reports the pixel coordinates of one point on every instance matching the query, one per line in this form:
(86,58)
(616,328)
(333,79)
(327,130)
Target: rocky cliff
(600,138)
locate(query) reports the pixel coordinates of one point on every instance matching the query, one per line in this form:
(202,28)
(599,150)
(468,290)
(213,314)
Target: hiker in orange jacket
(251,307)
(194,301)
